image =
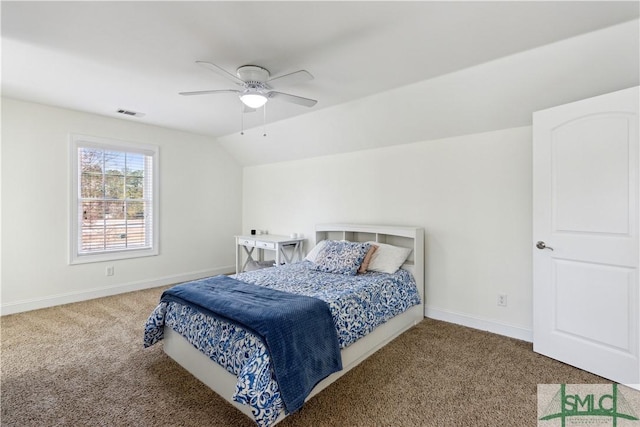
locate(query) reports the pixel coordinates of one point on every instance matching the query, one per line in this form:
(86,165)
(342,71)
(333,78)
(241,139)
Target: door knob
(542,245)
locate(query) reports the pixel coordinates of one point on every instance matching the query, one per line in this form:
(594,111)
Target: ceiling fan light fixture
(253,99)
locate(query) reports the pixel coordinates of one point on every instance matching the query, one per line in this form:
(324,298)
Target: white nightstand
(270,242)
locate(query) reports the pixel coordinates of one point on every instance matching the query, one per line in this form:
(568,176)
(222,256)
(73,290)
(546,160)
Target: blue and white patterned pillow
(341,257)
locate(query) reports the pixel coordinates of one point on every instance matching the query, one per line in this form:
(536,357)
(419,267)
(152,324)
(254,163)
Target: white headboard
(407,237)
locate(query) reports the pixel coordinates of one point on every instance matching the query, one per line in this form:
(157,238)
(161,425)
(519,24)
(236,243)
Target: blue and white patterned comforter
(358,305)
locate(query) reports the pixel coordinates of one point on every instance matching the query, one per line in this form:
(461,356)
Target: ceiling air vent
(131,113)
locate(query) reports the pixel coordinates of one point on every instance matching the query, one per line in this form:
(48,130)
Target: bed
(229,376)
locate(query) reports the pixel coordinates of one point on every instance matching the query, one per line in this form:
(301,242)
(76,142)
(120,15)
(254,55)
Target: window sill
(111,256)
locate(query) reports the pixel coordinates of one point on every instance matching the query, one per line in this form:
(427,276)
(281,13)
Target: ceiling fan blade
(221,72)
(292,98)
(290,79)
(208,92)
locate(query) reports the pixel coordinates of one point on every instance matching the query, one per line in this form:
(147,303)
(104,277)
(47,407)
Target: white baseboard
(70,297)
(479,323)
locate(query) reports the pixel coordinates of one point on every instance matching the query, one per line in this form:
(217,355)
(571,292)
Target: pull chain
(264,120)
(241,118)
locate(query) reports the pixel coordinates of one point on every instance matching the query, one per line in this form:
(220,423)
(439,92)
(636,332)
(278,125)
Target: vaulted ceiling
(100,57)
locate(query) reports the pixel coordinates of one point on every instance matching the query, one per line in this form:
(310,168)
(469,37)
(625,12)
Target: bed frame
(223,382)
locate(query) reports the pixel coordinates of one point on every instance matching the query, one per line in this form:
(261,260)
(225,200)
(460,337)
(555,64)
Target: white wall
(472,195)
(200,205)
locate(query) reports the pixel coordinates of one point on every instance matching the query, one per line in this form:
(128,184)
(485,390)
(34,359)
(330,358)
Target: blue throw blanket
(298,331)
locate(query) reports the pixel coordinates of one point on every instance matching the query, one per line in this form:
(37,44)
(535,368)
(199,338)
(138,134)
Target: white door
(585,231)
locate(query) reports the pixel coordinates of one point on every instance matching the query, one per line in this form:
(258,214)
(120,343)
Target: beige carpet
(83,365)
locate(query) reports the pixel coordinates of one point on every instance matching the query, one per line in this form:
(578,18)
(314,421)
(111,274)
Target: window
(114,191)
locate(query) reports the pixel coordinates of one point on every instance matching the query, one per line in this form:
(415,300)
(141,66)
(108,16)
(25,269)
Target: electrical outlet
(109,271)
(502,300)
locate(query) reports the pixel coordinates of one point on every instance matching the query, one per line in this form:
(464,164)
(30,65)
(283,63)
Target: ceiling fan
(256,85)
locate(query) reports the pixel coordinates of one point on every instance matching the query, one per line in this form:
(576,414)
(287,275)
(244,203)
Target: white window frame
(75,255)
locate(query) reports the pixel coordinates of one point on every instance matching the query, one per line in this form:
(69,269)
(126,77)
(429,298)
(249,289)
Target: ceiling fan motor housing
(252,73)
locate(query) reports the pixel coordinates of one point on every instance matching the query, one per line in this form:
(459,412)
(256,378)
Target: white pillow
(311,256)
(388,258)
